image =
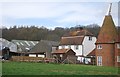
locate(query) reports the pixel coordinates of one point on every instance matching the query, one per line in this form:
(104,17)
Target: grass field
(23,68)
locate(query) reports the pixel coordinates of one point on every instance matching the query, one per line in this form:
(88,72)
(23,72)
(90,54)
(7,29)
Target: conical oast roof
(108,31)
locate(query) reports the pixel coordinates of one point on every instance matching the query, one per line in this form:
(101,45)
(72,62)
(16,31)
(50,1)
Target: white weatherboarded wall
(73,47)
(88,45)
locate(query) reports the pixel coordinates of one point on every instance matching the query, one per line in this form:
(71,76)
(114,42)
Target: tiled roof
(74,37)
(71,40)
(92,53)
(78,33)
(61,51)
(44,46)
(108,31)
(51,43)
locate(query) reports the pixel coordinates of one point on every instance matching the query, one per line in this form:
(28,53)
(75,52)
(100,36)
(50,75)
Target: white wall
(81,60)
(54,49)
(77,51)
(88,45)
(39,55)
(32,55)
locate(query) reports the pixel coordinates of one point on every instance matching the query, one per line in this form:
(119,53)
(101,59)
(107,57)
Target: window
(90,38)
(69,46)
(99,60)
(61,55)
(118,46)
(99,46)
(118,58)
(63,47)
(76,47)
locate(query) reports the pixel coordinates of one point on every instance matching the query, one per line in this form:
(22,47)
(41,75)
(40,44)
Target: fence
(31,59)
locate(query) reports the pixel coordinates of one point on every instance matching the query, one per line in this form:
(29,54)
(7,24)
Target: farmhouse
(81,41)
(108,44)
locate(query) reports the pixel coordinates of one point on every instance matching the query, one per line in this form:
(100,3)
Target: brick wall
(107,52)
(117,53)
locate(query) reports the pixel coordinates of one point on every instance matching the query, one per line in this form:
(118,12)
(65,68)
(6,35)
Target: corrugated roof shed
(24,45)
(6,43)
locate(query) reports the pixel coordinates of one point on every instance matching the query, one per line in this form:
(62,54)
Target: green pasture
(26,68)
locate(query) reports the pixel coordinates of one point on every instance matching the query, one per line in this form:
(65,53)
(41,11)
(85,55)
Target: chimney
(79,28)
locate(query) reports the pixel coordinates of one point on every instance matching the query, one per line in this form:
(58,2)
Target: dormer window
(99,46)
(118,46)
(90,38)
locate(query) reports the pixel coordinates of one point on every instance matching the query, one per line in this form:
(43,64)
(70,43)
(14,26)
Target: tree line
(42,33)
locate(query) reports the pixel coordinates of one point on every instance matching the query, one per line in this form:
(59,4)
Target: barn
(7,48)
(24,45)
(64,55)
(43,49)
(5,43)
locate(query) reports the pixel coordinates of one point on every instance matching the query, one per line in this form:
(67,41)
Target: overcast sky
(59,13)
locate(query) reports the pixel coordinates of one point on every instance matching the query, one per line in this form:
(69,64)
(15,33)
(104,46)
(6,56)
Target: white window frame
(118,58)
(99,60)
(99,46)
(118,46)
